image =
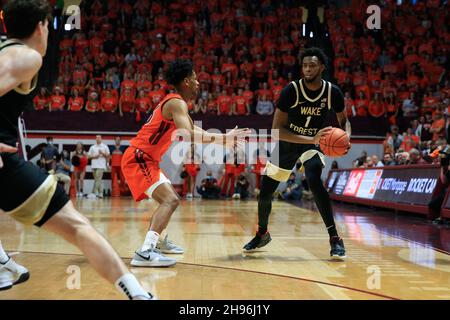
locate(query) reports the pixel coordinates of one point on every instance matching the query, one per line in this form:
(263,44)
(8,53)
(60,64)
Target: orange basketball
(335,144)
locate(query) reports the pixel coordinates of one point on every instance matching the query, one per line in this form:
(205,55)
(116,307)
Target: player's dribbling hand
(322,132)
(348,149)
(236,137)
(6,148)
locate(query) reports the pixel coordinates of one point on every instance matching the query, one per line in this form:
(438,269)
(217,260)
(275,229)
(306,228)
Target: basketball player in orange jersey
(27,194)
(300,115)
(141,160)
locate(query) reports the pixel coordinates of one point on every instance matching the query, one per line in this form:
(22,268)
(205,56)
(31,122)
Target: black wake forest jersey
(307,109)
(12,104)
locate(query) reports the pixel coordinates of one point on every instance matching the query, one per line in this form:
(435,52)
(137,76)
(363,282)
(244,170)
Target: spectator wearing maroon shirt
(57,100)
(41,101)
(76,102)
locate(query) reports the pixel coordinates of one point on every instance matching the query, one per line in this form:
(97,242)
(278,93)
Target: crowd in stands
(244,53)
(399,72)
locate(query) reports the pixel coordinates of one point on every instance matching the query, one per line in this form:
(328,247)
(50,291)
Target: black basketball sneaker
(258,241)
(337,248)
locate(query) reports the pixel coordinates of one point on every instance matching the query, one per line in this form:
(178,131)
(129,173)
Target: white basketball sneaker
(12,273)
(151,258)
(167,246)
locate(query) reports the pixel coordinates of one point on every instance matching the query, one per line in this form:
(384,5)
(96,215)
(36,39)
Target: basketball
(335,143)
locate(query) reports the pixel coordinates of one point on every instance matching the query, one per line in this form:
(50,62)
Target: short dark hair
(178,70)
(22,16)
(314,51)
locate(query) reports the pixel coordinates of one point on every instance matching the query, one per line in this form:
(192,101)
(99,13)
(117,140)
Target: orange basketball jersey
(155,137)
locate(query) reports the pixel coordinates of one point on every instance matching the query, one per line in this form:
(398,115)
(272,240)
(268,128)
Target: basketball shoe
(258,241)
(151,258)
(12,273)
(337,248)
(167,246)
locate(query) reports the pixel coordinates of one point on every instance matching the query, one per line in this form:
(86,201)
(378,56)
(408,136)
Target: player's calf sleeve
(268,187)
(313,172)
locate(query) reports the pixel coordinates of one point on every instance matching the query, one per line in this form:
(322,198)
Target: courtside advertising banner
(400,185)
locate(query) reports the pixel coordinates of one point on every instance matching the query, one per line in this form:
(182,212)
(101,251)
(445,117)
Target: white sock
(128,285)
(3,256)
(151,239)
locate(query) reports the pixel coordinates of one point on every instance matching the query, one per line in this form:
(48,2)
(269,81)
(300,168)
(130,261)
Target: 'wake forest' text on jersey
(307,109)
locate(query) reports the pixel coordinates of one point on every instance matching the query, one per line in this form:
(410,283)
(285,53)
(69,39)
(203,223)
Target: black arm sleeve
(337,99)
(287,98)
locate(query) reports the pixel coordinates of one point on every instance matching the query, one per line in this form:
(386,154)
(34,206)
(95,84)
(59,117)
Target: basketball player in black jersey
(26,193)
(299,118)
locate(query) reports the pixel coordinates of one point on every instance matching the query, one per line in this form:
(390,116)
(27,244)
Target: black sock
(268,187)
(313,172)
(332,231)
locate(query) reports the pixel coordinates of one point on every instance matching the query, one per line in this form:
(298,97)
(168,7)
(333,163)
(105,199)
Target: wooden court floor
(295,265)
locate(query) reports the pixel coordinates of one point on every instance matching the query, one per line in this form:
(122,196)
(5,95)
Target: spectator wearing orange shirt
(265,91)
(429,101)
(93,104)
(248,94)
(211,103)
(391,108)
(229,83)
(276,90)
(362,104)
(127,102)
(240,104)
(230,66)
(109,88)
(376,106)
(203,76)
(438,125)
(260,68)
(217,79)
(143,103)
(76,102)
(79,74)
(410,140)
(57,100)
(144,83)
(128,83)
(224,102)
(247,67)
(41,101)
(349,105)
(108,103)
(156,96)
